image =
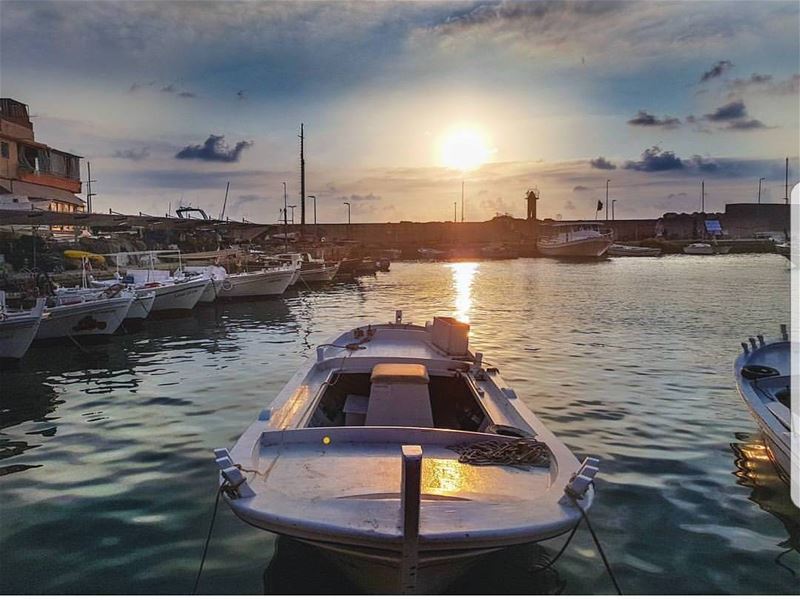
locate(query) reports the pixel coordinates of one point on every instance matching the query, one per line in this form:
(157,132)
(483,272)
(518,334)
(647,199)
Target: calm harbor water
(107,478)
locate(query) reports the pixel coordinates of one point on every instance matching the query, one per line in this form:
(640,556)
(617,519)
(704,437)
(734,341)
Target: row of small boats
(99,307)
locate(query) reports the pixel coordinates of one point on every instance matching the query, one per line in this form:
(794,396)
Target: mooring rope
(522,452)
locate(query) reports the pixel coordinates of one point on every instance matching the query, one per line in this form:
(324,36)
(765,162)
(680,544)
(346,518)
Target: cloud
(645,119)
(214,149)
(734,116)
(360,198)
(132,154)
(169,89)
(746,124)
(569,205)
(602,163)
(728,112)
(187,95)
(678,195)
(766,83)
(655,159)
(706,165)
(580,188)
(717,70)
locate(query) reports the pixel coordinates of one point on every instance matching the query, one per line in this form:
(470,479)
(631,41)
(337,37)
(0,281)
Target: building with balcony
(32,174)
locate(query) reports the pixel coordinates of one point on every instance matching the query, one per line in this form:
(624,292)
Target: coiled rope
(522,452)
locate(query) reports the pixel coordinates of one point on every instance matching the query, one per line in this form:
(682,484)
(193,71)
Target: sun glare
(464,149)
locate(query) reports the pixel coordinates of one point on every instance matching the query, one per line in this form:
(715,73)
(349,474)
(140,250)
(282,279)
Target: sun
(464,149)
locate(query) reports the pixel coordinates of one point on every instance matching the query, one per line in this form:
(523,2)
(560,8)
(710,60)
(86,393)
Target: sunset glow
(464,149)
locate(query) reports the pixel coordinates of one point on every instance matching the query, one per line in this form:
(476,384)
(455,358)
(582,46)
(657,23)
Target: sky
(402,101)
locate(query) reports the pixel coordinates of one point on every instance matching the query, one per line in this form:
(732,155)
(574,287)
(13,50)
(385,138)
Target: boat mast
(302,182)
(786,183)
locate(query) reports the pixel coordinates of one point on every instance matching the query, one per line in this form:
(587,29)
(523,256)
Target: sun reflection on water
(463,276)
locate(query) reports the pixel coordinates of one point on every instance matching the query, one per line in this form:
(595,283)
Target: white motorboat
(784,249)
(623,250)
(171,293)
(763,377)
(295,259)
(704,249)
(81,316)
(370,452)
(140,308)
(18,328)
(268,281)
(574,240)
(312,270)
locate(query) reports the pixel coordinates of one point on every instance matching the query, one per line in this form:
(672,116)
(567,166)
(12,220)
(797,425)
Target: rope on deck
(522,452)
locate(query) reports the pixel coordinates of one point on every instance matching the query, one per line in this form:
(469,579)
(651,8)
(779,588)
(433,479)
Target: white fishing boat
(312,270)
(623,250)
(763,377)
(18,328)
(171,293)
(295,259)
(268,281)
(80,316)
(704,249)
(371,452)
(574,240)
(140,308)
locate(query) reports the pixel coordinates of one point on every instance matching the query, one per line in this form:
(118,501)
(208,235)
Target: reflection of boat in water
(365,454)
(568,240)
(755,470)
(763,377)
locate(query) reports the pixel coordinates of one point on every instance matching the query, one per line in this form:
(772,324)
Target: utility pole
(348,218)
(285,220)
(759,189)
(462,200)
(786,184)
(455,212)
(315,208)
(607,182)
(302,181)
(703,197)
(225,202)
(89,183)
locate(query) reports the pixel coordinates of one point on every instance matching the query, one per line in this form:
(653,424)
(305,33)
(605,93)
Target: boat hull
(318,275)
(262,283)
(708,250)
(89,318)
(17,334)
(179,296)
(588,248)
(141,306)
(618,250)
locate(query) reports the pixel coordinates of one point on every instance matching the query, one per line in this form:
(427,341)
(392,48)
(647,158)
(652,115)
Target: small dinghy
(763,377)
(405,457)
(623,250)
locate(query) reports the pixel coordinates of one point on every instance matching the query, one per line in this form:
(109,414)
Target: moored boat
(371,452)
(268,281)
(784,249)
(574,240)
(18,328)
(763,377)
(81,316)
(312,270)
(623,250)
(140,308)
(704,249)
(171,293)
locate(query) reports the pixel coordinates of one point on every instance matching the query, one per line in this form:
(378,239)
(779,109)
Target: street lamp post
(348,217)
(315,208)
(285,220)
(455,211)
(613,202)
(759,189)
(292,206)
(607,182)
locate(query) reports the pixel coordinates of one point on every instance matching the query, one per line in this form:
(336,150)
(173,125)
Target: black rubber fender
(758,371)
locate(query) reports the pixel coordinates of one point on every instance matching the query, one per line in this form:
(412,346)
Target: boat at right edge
(763,378)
